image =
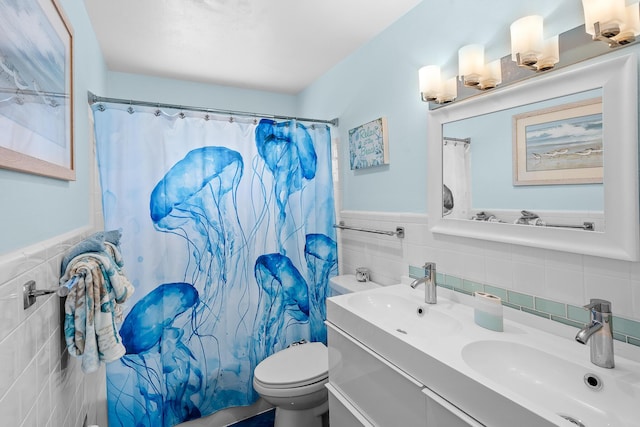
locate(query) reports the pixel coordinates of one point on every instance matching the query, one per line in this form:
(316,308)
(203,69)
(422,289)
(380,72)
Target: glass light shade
(608,13)
(471,63)
(526,39)
(448,91)
(630,28)
(492,75)
(430,82)
(550,54)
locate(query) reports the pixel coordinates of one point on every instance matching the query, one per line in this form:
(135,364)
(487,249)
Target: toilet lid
(295,366)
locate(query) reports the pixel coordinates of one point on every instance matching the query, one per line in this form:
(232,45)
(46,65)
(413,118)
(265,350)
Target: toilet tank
(347,283)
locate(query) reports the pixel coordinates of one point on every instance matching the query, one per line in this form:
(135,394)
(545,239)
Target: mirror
(543,162)
(558,175)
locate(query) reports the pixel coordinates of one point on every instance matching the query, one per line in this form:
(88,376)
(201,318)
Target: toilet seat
(297,366)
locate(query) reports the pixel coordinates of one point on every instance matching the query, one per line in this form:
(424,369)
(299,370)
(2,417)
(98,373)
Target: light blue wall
(156,89)
(34,208)
(381,79)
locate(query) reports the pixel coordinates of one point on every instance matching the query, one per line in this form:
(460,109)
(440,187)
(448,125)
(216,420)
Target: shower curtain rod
(465,140)
(93,99)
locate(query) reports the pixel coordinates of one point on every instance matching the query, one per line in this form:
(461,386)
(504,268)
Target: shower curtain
(456,179)
(228,238)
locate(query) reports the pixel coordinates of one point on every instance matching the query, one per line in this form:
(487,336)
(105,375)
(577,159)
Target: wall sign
(368,145)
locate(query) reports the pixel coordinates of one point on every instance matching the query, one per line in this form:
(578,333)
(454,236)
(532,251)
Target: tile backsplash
(625,330)
(546,283)
(41,385)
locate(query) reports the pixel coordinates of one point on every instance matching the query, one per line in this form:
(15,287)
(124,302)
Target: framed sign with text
(369,145)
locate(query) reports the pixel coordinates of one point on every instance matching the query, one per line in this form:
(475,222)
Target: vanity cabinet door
(441,412)
(377,389)
(342,413)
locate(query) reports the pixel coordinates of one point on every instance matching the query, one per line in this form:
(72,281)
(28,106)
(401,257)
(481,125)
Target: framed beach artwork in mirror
(36,89)
(559,145)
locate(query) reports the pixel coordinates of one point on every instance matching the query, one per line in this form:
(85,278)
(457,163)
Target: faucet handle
(599,305)
(429,269)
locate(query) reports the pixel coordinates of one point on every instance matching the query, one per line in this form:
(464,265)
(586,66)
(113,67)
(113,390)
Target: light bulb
(526,40)
(430,82)
(609,14)
(471,63)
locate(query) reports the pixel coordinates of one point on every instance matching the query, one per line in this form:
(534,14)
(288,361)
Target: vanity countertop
(527,372)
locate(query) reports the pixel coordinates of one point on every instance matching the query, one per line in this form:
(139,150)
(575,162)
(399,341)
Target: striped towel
(92,308)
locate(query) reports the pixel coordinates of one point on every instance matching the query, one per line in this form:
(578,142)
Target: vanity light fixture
(474,72)
(433,88)
(529,49)
(492,75)
(448,91)
(430,82)
(471,64)
(611,22)
(550,54)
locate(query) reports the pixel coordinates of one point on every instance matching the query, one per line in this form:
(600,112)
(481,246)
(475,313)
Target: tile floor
(261,420)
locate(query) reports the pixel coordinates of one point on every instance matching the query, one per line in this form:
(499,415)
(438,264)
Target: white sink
(404,314)
(558,384)
(381,305)
(534,377)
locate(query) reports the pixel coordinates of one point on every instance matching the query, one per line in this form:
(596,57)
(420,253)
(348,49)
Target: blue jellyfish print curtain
(228,239)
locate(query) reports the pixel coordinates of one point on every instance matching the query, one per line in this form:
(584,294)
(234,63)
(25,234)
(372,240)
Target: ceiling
(276,45)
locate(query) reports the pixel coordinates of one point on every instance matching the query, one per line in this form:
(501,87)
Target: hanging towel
(92,308)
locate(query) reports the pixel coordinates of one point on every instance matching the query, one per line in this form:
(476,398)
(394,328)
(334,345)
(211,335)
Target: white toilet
(293,380)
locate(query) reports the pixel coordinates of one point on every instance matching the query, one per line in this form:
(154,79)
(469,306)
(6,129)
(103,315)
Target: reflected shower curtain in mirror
(456,180)
(228,238)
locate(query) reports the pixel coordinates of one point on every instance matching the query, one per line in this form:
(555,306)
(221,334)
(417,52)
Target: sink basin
(403,314)
(589,396)
(381,305)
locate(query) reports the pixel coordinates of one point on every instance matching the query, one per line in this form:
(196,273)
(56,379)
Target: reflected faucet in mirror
(531,218)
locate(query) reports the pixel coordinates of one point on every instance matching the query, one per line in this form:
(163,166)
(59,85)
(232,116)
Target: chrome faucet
(429,281)
(599,332)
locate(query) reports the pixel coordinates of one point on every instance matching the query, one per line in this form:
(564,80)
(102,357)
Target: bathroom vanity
(394,360)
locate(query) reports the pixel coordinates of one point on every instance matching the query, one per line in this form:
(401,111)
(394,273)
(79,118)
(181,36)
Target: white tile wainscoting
(559,276)
(40,384)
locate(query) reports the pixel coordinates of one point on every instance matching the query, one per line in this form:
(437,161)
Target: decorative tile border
(624,330)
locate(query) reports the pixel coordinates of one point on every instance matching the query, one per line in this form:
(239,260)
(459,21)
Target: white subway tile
(564,285)
(33,386)
(44,405)
(9,362)
(27,390)
(607,267)
(10,407)
(611,288)
(528,278)
(31,418)
(499,272)
(10,308)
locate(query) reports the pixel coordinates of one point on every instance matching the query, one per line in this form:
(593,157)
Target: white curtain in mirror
(456,178)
